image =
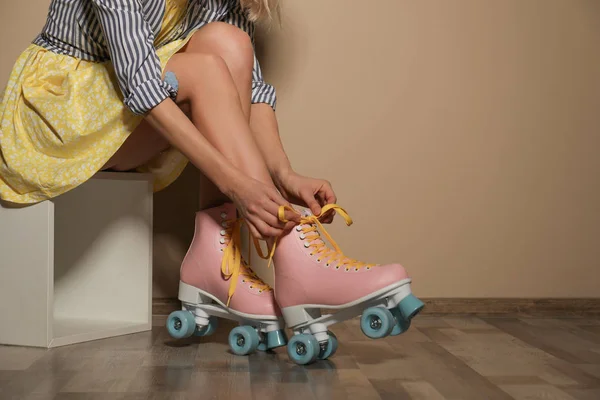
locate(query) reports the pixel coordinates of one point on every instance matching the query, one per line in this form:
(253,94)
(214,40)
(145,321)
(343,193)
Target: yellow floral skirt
(63,118)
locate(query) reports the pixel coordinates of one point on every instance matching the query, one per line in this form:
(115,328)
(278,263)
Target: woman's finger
(292,216)
(269,215)
(328,219)
(289,226)
(254,231)
(280,201)
(266,230)
(275,196)
(311,202)
(326,194)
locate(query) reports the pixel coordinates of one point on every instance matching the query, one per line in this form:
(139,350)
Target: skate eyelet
(327,264)
(302,236)
(250,286)
(223,233)
(243,281)
(318,260)
(368,268)
(221,249)
(337,267)
(222,241)
(224,224)
(356,269)
(306,244)
(347,269)
(298,228)
(223,215)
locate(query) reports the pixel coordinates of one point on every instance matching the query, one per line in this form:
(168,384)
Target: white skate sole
(204,305)
(386,312)
(307,318)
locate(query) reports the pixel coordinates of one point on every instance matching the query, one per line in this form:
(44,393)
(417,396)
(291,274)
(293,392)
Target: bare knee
(205,62)
(196,73)
(230,43)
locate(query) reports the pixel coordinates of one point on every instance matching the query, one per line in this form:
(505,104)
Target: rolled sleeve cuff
(148,95)
(264,93)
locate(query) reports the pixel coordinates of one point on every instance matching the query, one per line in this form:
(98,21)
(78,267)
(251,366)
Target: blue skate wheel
(209,329)
(330,348)
(410,306)
(303,349)
(401,325)
(181,324)
(273,340)
(377,322)
(243,340)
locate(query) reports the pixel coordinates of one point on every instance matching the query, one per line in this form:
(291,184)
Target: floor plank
(446,357)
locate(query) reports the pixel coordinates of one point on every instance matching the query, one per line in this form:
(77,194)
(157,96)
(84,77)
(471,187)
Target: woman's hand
(257,202)
(259,206)
(309,192)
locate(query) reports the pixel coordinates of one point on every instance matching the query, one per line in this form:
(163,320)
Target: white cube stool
(79,267)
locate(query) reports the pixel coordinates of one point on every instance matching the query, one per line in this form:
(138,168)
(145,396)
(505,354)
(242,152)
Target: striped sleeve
(131,45)
(262,92)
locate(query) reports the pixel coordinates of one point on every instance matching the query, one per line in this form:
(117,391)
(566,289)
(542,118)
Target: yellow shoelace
(312,227)
(232,265)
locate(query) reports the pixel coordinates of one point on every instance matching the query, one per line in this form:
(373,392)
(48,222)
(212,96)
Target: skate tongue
(305,212)
(255,279)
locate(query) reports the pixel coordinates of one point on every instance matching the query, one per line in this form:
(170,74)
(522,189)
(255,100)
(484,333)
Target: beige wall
(461,136)
(20,22)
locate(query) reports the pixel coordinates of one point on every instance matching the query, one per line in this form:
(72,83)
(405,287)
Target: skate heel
(192,299)
(304,320)
(296,316)
(193,318)
(191,295)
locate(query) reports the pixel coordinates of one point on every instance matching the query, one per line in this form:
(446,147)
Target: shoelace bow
(312,227)
(232,265)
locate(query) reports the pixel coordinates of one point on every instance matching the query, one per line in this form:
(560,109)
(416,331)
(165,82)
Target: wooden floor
(439,358)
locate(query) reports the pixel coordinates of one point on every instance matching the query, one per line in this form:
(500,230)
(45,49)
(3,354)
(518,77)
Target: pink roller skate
(216,282)
(310,276)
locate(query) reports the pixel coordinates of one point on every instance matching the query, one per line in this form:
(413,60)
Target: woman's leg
(240,64)
(214,71)
(234,46)
(139,148)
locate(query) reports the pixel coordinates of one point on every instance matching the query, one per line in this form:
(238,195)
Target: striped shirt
(123,32)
